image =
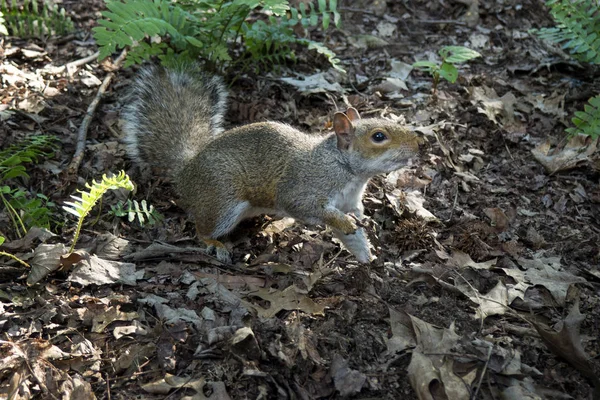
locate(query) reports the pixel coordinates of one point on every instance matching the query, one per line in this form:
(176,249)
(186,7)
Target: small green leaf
(426,65)
(193,41)
(457,54)
(449,72)
(326,20)
(322,5)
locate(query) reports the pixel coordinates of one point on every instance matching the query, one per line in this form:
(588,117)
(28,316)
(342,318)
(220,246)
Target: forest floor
(486,283)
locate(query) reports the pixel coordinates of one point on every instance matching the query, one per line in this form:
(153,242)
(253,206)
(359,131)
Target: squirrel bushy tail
(171,115)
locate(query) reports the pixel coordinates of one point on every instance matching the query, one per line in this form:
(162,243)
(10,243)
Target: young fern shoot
(83,204)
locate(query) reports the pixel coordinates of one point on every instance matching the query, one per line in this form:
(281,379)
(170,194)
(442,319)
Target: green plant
(24,209)
(587,122)
(27,20)
(3,253)
(3,30)
(132,209)
(577,29)
(450,55)
(27,210)
(84,203)
(212,29)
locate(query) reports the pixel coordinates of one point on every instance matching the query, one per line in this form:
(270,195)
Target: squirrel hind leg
(221,252)
(211,227)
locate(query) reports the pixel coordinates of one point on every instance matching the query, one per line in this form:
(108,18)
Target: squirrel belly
(174,122)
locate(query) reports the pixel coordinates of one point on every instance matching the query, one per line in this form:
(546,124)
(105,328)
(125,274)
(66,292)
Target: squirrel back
(171,115)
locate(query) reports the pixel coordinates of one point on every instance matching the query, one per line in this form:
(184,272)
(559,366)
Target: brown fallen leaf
(46,259)
(577,150)
(346,380)
(103,319)
(498,218)
(546,272)
(291,298)
(170,382)
(403,336)
(566,344)
(233,282)
(494,302)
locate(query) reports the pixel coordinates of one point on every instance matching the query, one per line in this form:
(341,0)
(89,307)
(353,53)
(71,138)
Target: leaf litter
(487,247)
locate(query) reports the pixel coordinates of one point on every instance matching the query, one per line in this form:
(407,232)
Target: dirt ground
(486,283)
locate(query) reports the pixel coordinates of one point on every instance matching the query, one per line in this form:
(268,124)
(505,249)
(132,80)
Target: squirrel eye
(378,137)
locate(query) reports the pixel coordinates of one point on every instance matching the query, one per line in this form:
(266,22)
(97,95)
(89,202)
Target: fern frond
(83,204)
(3,30)
(324,50)
(209,28)
(26,151)
(128,23)
(325,10)
(29,21)
(587,122)
(577,30)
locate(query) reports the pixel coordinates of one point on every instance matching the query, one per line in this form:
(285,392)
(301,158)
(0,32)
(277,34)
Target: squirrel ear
(342,125)
(352,114)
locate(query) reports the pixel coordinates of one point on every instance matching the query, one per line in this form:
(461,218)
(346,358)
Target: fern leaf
(128,23)
(587,122)
(322,49)
(577,30)
(83,204)
(3,30)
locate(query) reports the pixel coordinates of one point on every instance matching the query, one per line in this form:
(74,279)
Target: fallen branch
(78,63)
(69,67)
(82,134)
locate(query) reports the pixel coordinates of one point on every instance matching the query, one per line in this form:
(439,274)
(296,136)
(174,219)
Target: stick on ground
(82,134)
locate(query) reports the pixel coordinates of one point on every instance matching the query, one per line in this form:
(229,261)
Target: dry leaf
(566,343)
(292,298)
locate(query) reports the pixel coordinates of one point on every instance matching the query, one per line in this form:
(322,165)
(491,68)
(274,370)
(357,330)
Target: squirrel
(174,121)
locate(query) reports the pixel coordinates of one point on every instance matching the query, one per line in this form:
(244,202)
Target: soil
(486,282)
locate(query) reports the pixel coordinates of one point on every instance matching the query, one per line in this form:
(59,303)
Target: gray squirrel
(173,121)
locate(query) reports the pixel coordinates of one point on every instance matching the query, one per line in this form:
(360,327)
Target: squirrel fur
(174,122)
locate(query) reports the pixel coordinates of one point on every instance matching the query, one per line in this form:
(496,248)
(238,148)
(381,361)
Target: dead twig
(453,205)
(69,68)
(440,21)
(483,371)
(82,134)
(78,63)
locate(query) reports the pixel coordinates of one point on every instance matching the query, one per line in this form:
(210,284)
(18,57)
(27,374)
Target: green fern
(24,208)
(144,213)
(211,29)
(84,203)
(587,122)
(27,20)
(310,17)
(26,151)
(3,30)
(577,30)
(127,24)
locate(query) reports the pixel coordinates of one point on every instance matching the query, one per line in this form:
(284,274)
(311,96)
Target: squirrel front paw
(357,244)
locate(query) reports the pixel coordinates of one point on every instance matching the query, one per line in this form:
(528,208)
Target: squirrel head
(374,145)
